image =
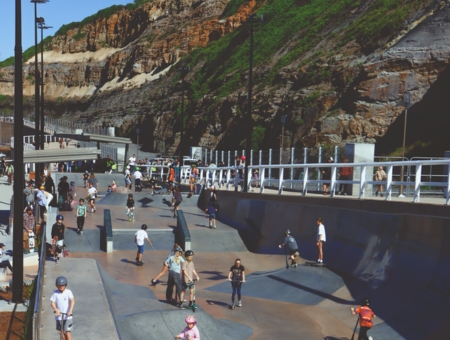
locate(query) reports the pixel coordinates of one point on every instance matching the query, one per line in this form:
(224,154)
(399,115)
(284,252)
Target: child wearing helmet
(58,231)
(188,271)
(62,302)
(365,315)
(86,178)
(130,207)
(290,241)
(191,331)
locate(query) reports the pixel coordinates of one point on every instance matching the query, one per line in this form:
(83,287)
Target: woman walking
(173,263)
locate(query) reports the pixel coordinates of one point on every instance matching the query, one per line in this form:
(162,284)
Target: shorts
(293,251)
(212,216)
(92,200)
(60,243)
(192,180)
(127,181)
(141,249)
(185,286)
(67,325)
(177,204)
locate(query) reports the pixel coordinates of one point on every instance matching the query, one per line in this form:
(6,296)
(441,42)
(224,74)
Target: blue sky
(55,12)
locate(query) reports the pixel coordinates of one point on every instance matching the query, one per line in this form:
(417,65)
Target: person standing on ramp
(321,238)
(237,277)
(290,241)
(139,238)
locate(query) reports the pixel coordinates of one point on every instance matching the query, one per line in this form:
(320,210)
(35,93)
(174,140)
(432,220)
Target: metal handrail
(217,176)
(39,285)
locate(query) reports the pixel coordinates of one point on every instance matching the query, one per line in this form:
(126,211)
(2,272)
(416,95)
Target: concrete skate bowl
(138,314)
(401,261)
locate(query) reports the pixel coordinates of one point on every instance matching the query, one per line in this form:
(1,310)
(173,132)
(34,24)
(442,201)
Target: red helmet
(243,157)
(190,319)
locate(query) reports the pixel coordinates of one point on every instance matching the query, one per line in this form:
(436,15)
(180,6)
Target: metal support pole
(229,156)
(37,80)
(336,153)
(292,162)
(251,157)
(216,161)
(17,286)
(270,163)
(319,176)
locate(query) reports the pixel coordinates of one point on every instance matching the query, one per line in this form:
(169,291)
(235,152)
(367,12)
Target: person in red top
(171,177)
(345,174)
(365,315)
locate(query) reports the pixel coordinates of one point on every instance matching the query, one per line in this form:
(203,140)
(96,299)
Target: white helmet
(128,166)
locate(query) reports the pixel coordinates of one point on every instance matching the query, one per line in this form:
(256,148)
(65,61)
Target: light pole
(283,121)
(138,131)
(42,26)
(183,71)
(406,100)
(17,286)
(252,18)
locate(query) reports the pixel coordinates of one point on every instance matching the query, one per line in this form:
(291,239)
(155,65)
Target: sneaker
(215,226)
(153,282)
(232,305)
(140,263)
(239,303)
(95,209)
(81,233)
(78,231)
(92,210)
(57,260)
(180,305)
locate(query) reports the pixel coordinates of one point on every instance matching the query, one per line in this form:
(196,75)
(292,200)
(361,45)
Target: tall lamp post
(251,19)
(184,69)
(17,286)
(406,101)
(42,26)
(283,121)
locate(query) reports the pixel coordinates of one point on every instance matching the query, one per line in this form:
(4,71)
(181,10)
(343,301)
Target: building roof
(59,155)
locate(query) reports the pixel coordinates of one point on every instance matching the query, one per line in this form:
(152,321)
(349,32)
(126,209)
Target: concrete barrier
(396,254)
(182,235)
(106,233)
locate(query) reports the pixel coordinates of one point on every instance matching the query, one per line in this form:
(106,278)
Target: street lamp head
(406,98)
(40,20)
(39,1)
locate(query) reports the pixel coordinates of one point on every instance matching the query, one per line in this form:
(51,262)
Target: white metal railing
(362,178)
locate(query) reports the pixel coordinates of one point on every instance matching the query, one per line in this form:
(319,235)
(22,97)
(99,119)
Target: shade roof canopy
(91,137)
(60,155)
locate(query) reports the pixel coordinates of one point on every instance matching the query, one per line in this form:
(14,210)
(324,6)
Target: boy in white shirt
(139,238)
(62,302)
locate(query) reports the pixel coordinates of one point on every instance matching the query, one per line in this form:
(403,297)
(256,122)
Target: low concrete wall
(361,242)
(103,179)
(182,235)
(106,233)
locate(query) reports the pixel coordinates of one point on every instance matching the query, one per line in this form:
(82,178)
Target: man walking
(139,238)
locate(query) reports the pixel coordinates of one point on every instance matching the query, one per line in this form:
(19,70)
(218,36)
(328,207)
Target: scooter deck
(314,264)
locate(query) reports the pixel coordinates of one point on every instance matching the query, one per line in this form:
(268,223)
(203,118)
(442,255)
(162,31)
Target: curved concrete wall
(395,253)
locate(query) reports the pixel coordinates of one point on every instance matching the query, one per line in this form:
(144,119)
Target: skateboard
(53,251)
(314,264)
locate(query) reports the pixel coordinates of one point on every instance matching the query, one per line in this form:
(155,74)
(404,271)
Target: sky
(55,12)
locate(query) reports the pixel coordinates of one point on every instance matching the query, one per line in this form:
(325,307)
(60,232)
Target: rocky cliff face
(117,71)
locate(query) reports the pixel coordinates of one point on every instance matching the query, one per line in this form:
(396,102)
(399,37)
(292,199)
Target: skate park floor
(306,302)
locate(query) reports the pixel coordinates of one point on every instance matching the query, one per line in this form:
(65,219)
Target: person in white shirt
(62,302)
(92,192)
(4,263)
(321,238)
(139,238)
(132,162)
(137,178)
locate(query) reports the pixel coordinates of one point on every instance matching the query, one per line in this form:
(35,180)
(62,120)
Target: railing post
(229,155)
(222,156)
(336,153)
(260,157)
(362,181)
(305,180)
(389,173)
(261,178)
(280,181)
(319,176)
(333,180)
(251,158)
(216,161)
(292,169)
(211,155)
(270,163)
(417,183)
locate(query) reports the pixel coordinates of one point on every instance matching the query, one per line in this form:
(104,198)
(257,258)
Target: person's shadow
(128,261)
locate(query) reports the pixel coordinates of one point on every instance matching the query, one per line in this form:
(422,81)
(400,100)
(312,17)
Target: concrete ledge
(106,234)
(182,235)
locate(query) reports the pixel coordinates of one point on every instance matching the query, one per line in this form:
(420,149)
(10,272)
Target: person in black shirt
(63,188)
(237,277)
(58,230)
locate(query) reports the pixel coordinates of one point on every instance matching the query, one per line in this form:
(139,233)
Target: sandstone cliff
(119,71)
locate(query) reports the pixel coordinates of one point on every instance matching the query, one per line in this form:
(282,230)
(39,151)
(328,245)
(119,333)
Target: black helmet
(130,195)
(178,249)
(288,232)
(61,281)
(365,302)
(188,253)
(59,217)
(144,227)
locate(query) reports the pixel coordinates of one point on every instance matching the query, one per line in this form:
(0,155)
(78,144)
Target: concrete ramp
(400,260)
(140,315)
